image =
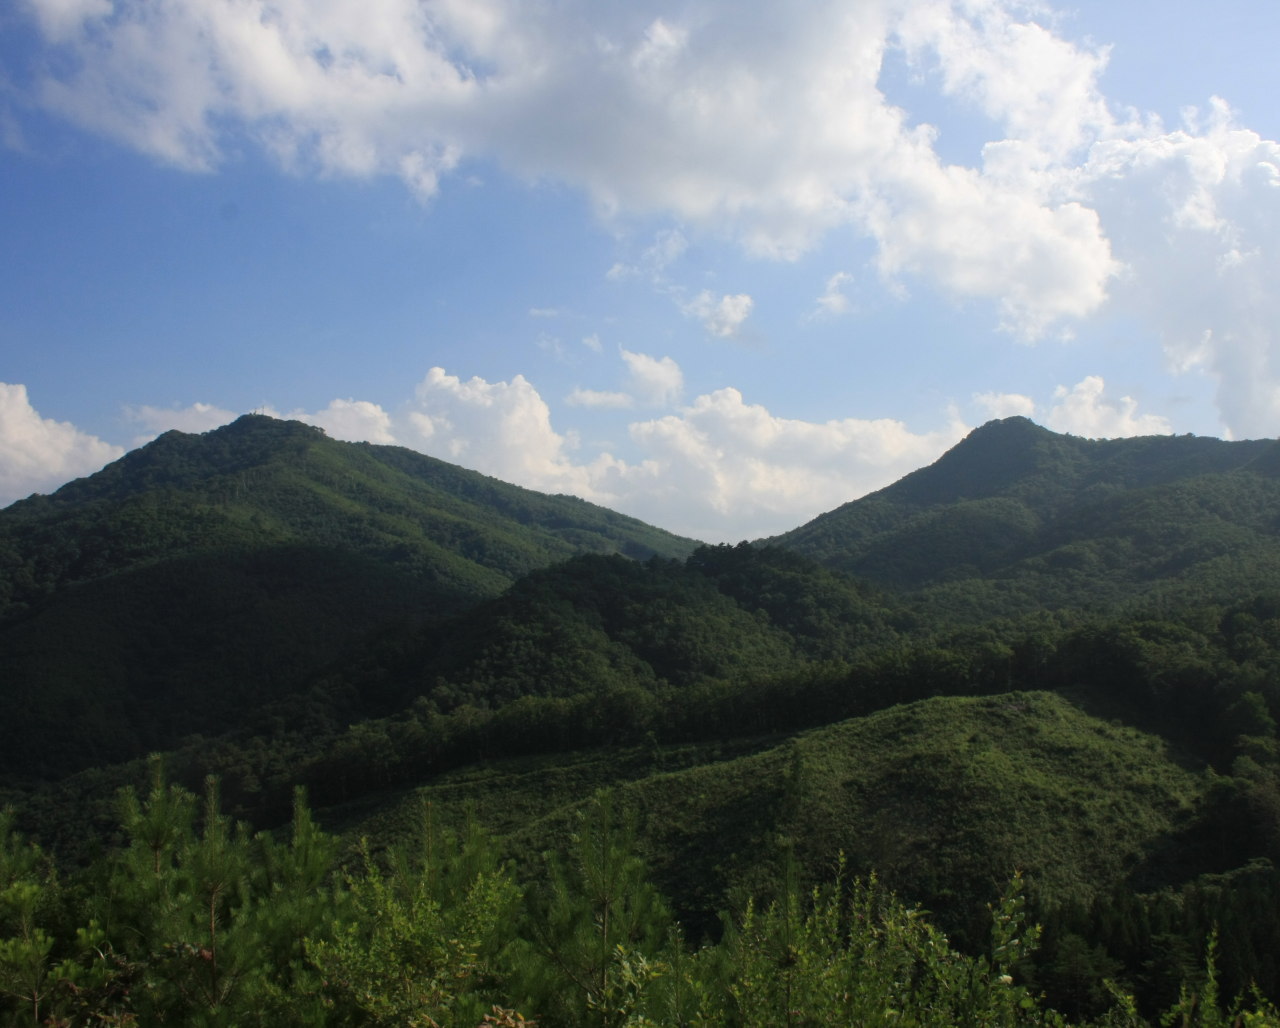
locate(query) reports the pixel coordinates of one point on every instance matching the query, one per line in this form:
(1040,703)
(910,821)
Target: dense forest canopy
(807,770)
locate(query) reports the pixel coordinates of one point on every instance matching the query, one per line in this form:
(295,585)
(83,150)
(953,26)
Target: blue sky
(720,266)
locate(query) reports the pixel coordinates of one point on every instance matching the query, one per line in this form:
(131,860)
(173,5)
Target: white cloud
(772,130)
(199,417)
(500,428)
(350,420)
(731,467)
(656,380)
(722,317)
(39,454)
(667,247)
(719,469)
(834,301)
(1042,89)
(1005,405)
(1195,216)
(61,19)
(1084,410)
(650,380)
(595,398)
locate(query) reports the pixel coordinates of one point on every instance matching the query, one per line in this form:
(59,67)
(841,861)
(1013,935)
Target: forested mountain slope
(1059,656)
(201,576)
(1016,518)
(260,482)
(600,622)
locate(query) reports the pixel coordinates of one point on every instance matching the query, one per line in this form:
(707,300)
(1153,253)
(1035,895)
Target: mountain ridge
(275,610)
(201,576)
(1016,503)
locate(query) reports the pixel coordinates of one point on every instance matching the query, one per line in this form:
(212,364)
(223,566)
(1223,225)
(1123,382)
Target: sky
(722,265)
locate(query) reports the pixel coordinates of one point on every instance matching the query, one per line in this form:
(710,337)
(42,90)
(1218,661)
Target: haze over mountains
(1040,652)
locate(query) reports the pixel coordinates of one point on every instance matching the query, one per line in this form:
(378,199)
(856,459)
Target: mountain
(274,609)
(201,577)
(1017,518)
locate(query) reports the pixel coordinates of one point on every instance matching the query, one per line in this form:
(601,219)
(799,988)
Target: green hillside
(944,798)
(595,623)
(263,482)
(1017,518)
(200,577)
(1041,654)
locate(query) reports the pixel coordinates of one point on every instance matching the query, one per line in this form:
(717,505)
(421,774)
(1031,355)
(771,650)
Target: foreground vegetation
(195,921)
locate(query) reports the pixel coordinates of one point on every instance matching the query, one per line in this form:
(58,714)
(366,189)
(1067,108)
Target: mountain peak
(988,460)
(1015,427)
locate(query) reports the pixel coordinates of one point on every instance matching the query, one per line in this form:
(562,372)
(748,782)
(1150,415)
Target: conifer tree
(26,969)
(596,929)
(422,932)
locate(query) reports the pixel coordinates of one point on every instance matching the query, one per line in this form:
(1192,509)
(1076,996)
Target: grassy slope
(945,798)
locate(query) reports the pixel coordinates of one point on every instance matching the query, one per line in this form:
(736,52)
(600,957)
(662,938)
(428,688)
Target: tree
(596,929)
(423,933)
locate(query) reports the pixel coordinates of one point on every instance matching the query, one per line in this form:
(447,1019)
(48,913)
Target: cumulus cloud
(724,466)
(1195,216)
(772,131)
(39,454)
(1005,405)
(198,417)
(1084,410)
(655,380)
(349,420)
(718,469)
(501,428)
(721,317)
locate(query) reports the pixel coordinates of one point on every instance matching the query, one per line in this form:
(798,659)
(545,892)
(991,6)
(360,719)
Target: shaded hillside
(596,623)
(200,577)
(1016,517)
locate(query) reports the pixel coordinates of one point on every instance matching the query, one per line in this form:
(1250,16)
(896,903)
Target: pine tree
(422,932)
(27,980)
(596,930)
